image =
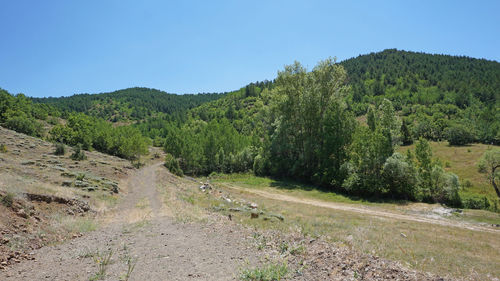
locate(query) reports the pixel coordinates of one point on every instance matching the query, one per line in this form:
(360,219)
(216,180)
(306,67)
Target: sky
(60,48)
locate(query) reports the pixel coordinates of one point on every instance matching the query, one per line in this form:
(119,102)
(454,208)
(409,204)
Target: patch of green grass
(269,272)
(80,176)
(189,199)
(299,250)
(102,260)
(78,224)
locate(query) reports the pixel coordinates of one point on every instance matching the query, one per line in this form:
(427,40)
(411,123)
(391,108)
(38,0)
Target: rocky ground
(42,193)
(157,246)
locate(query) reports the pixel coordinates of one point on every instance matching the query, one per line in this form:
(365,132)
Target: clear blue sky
(54,48)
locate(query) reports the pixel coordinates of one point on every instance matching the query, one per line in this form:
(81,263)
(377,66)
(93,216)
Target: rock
(68,174)
(26,163)
(92,188)
(67,183)
(79,183)
(253,205)
(113,186)
(59,168)
(254,215)
(22,213)
(403,235)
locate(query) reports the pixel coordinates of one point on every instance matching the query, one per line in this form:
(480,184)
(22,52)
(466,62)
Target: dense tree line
(303,128)
(128,104)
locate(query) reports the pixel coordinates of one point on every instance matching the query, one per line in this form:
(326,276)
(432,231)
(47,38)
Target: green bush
(459,135)
(3,148)
(78,153)
(24,125)
(400,177)
(172,165)
(259,165)
(476,202)
(60,149)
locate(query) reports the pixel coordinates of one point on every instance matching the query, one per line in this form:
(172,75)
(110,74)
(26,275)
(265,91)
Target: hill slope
(128,104)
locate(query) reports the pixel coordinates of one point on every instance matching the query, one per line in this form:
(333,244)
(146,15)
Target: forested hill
(302,125)
(128,104)
(420,78)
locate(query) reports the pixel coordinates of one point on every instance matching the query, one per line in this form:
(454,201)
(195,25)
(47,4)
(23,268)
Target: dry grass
(433,248)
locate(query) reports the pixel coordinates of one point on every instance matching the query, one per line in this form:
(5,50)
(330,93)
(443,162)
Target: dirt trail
(162,248)
(363,210)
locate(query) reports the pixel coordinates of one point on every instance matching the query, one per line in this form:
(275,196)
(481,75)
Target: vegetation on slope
(309,125)
(128,104)
(20,114)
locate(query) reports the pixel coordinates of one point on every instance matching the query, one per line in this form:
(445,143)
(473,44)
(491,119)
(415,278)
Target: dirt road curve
(364,210)
(162,248)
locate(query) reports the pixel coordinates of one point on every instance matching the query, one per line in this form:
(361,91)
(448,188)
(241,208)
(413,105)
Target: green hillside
(339,125)
(128,104)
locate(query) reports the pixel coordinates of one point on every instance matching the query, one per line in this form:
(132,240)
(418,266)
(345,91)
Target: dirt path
(160,247)
(362,210)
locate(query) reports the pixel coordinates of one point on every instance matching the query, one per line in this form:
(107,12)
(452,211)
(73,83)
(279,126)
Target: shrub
(172,165)
(400,177)
(476,202)
(80,177)
(259,165)
(459,135)
(60,149)
(7,200)
(78,153)
(3,148)
(24,125)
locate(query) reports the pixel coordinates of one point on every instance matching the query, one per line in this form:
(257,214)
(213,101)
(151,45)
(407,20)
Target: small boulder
(67,183)
(22,213)
(254,215)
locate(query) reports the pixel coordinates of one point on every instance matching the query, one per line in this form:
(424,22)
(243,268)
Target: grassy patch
(79,224)
(269,272)
(102,260)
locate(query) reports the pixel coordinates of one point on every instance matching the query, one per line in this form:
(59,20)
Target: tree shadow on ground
(288,184)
